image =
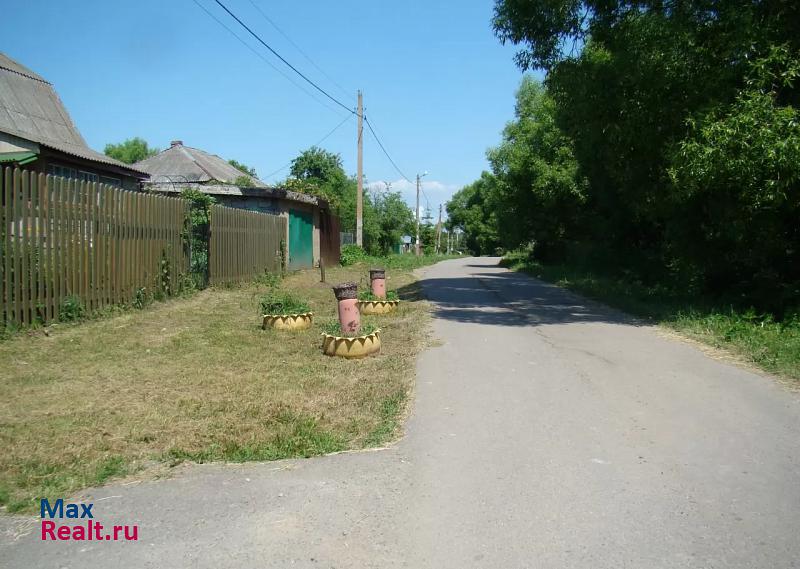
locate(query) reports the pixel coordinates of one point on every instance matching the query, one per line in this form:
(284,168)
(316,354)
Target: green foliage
(385,215)
(367,295)
(352,254)
(244,182)
(282,302)
(666,141)
(71,309)
(196,232)
(248,171)
(333,328)
(736,179)
(130,151)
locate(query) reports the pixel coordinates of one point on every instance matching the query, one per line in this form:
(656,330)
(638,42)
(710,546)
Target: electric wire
(298,48)
(265,60)
(320,141)
(378,140)
(279,56)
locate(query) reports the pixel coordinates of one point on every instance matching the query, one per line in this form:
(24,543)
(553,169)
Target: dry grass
(194,379)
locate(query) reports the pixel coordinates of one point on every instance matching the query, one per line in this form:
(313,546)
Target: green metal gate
(301,240)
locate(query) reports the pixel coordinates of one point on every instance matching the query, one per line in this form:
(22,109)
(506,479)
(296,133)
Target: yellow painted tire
(377,306)
(352,348)
(288,321)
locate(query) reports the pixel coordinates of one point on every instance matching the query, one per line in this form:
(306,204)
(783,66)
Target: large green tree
(683,154)
(385,215)
(130,151)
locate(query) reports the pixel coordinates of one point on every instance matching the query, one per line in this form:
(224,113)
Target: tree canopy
(386,217)
(663,143)
(130,151)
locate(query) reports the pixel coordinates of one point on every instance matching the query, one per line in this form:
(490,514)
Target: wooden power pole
(360,197)
(439,231)
(417,243)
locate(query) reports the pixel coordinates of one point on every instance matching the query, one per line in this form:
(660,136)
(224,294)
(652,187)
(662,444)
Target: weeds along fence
(244,244)
(63,240)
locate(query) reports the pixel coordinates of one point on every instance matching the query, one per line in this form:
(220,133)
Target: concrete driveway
(547,432)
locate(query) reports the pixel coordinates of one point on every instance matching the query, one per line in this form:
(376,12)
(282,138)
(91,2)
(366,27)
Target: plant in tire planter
(346,339)
(377,301)
(337,343)
(284,311)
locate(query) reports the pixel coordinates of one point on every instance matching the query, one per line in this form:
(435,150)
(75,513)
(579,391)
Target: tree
(131,151)
(471,210)
(394,219)
(248,171)
(536,194)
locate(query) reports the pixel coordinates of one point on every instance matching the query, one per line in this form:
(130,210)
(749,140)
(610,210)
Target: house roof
(180,163)
(31,109)
(177,186)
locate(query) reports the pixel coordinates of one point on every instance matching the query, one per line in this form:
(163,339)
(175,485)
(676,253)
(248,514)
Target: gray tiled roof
(31,109)
(180,163)
(176,186)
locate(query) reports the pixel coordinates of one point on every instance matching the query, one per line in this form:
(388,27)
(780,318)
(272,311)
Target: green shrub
(367,295)
(352,254)
(335,329)
(283,302)
(71,309)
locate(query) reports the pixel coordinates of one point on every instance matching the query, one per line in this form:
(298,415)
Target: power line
(378,140)
(320,141)
(298,48)
(279,56)
(264,59)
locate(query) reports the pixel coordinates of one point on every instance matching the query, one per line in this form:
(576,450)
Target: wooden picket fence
(63,239)
(244,244)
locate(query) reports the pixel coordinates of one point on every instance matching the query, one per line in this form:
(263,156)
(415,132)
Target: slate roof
(176,186)
(31,109)
(180,163)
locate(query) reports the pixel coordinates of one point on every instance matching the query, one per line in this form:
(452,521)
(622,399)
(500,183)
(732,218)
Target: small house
(310,222)
(37,133)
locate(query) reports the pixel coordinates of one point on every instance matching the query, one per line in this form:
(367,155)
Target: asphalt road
(546,432)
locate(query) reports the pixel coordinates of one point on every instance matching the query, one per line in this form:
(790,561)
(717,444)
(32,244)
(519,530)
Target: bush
(352,254)
(283,302)
(71,309)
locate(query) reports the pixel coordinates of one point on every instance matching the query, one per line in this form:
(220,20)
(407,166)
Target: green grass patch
(390,410)
(296,436)
(756,338)
(195,378)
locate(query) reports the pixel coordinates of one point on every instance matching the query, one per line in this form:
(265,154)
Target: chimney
(176,143)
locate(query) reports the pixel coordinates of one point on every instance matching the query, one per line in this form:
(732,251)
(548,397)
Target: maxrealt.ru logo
(88,530)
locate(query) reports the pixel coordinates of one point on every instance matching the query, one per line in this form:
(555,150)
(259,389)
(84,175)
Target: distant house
(37,133)
(309,218)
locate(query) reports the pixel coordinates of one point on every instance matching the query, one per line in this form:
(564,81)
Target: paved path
(547,432)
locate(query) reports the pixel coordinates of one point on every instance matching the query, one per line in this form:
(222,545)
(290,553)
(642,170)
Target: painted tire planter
(377,306)
(353,347)
(288,321)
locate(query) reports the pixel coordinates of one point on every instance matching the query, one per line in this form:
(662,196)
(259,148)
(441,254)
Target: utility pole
(439,231)
(360,197)
(417,242)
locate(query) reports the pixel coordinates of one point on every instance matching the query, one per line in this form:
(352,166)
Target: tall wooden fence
(244,244)
(329,239)
(64,238)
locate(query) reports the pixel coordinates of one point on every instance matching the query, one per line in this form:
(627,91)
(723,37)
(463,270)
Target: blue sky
(437,85)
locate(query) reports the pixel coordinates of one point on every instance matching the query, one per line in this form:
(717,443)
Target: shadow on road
(490,295)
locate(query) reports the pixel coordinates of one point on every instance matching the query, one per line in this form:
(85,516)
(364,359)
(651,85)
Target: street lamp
(419,183)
